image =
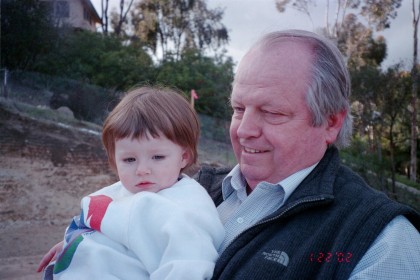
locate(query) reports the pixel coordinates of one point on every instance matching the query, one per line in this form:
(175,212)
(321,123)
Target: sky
(247,20)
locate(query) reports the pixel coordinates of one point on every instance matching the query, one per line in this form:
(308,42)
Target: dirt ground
(37,203)
(40,191)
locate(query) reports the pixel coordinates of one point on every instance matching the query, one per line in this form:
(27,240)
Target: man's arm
(393,255)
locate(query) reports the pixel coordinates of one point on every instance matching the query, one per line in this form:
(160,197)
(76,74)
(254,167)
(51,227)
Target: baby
(156,222)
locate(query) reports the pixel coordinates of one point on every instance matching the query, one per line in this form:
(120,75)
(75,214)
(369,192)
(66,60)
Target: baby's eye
(158,157)
(129,160)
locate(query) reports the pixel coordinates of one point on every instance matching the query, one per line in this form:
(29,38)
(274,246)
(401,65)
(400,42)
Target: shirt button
(240,220)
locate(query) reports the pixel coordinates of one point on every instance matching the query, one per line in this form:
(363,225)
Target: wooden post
(5,83)
(193,96)
(192,101)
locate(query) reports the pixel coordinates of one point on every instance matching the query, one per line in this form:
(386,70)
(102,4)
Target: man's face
(271,129)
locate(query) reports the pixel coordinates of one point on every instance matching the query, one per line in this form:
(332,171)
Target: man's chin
(253,173)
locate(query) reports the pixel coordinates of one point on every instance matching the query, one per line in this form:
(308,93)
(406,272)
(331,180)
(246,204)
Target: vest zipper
(297,203)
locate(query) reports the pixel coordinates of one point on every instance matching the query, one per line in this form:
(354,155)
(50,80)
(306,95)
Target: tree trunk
(104,16)
(392,156)
(414,89)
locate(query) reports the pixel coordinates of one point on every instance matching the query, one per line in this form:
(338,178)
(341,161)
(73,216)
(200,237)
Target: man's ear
(334,124)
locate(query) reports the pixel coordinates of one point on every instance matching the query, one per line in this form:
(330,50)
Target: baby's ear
(186,158)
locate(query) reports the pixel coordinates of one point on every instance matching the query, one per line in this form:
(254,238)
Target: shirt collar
(292,182)
(235,181)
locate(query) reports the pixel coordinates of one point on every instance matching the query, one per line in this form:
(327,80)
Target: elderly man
(290,209)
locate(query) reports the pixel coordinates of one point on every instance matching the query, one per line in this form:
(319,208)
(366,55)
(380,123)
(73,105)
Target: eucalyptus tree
(169,26)
(351,23)
(414,92)
(119,18)
(381,118)
(376,13)
(392,100)
(395,98)
(104,16)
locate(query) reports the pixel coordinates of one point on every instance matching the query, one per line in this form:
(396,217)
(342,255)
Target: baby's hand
(50,256)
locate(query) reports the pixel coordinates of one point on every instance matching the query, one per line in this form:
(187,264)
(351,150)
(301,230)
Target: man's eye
(275,118)
(271,113)
(129,160)
(158,157)
(237,109)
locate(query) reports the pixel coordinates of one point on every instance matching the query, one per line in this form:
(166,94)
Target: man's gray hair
(330,86)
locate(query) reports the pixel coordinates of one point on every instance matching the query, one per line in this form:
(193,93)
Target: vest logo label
(277,256)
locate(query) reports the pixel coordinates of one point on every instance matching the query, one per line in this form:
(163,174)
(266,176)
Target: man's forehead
(288,54)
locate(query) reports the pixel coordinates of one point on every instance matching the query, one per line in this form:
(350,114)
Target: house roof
(92,9)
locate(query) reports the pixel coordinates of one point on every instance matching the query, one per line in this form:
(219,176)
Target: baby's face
(149,164)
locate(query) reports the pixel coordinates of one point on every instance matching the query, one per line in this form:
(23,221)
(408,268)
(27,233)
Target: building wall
(77,14)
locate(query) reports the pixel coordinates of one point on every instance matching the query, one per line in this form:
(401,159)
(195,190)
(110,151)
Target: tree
(359,52)
(101,60)
(378,13)
(414,92)
(210,77)
(380,117)
(174,25)
(119,19)
(26,32)
(368,122)
(346,27)
(394,98)
(104,16)
(124,67)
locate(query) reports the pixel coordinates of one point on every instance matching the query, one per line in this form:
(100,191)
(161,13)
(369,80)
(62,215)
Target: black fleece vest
(321,232)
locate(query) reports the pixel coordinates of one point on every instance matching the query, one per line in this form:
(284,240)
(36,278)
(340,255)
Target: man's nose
(250,125)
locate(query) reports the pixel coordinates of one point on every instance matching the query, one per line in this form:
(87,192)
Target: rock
(66,111)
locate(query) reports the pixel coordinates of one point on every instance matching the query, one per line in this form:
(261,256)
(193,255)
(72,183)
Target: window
(86,14)
(62,9)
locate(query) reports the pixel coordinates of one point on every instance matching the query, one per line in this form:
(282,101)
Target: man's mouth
(252,151)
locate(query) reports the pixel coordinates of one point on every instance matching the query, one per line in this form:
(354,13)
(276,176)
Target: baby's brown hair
(152,110)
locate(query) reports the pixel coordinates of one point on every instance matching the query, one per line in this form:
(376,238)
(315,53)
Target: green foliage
(210,77)
(123,68)
(380,106)
(186,29)
(26,32)
(363,161)
(101,60)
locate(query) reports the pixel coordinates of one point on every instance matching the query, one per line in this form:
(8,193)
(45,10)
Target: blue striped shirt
(395,254)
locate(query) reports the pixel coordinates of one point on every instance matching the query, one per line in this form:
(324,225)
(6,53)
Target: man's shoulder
(211,178)
(208,175)
(351,189)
